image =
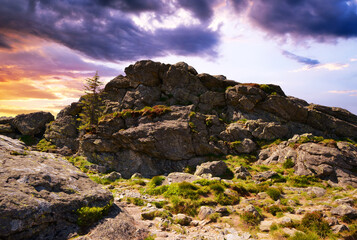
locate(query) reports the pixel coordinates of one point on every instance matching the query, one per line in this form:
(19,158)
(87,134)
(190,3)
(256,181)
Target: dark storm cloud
(133,5)
(4,42)
(202,9)
(319,19)
(100,30)
(239,5)
(304,60)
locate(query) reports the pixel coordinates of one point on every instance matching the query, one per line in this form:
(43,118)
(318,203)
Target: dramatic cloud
(104,29)
(240,5)
(4,43)
(202,9)
(319,19)
(132,5)
(304,60)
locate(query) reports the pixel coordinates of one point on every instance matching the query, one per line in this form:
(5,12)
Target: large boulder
(216,168)
(40,194)
(32,123)
(335,162)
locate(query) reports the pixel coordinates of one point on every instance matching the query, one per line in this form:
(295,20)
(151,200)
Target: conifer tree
(91,103)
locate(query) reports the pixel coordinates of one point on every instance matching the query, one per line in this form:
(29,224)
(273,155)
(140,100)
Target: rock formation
(32,124)
(160,118)
(40,193)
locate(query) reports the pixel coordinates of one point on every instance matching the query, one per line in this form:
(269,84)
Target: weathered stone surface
(265,225)
(244,96)
(177,177)
(344,210)
(32,123)
(339,228)
(182,219)
(118,225)
(63,132)
(209,115)
(40,193)
(241,173)
(216,168)
(330,162)
(145,72)
(205,212)
(263,176)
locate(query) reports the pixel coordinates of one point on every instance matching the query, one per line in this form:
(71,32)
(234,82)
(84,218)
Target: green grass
(289,163)
(250,219)
(80,162)
(303,181)
(156,181)
(303,236)
(44,146)
(315,222)
(274,193)
(89,215)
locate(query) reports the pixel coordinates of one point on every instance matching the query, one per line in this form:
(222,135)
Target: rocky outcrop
(32,124)
(327,159)
(160,118)
(41,192)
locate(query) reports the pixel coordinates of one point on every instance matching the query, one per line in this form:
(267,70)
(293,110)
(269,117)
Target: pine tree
(91,103)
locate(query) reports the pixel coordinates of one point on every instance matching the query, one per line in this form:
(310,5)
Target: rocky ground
(181,155)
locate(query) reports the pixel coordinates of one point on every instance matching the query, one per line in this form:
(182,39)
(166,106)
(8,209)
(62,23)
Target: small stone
(300,211)
(340,228)
(265,225)
(344,210)
(290,231)
(345,201)
(195,223)
(136,175)
(332,221)
(241,173)
(182,219)
(262,195)
(205,212)
(317,191)
(285,220)
(251,209)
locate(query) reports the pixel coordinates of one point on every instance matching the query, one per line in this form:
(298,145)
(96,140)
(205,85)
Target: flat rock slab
(40,193)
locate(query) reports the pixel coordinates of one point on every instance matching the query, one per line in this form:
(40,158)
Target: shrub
(303,236)
(214,217)
(45,146)
(160,204)
(225,199)
(315,222)
(289,163)
(80,162)
(90,215)
(274,193)
(274,209)
(183,189)
(240,189)
(156,181)
(303,181)
(136,201)
(217,187)
(250,218)
(186,206)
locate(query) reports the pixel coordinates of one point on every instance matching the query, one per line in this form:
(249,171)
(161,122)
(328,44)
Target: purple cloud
(304,60)
(319,19)
(103,29)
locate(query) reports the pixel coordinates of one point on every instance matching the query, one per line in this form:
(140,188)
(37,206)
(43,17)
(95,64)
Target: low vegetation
(89,215)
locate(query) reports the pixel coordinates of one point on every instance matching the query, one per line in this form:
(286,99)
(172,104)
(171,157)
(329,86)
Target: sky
(49,47)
